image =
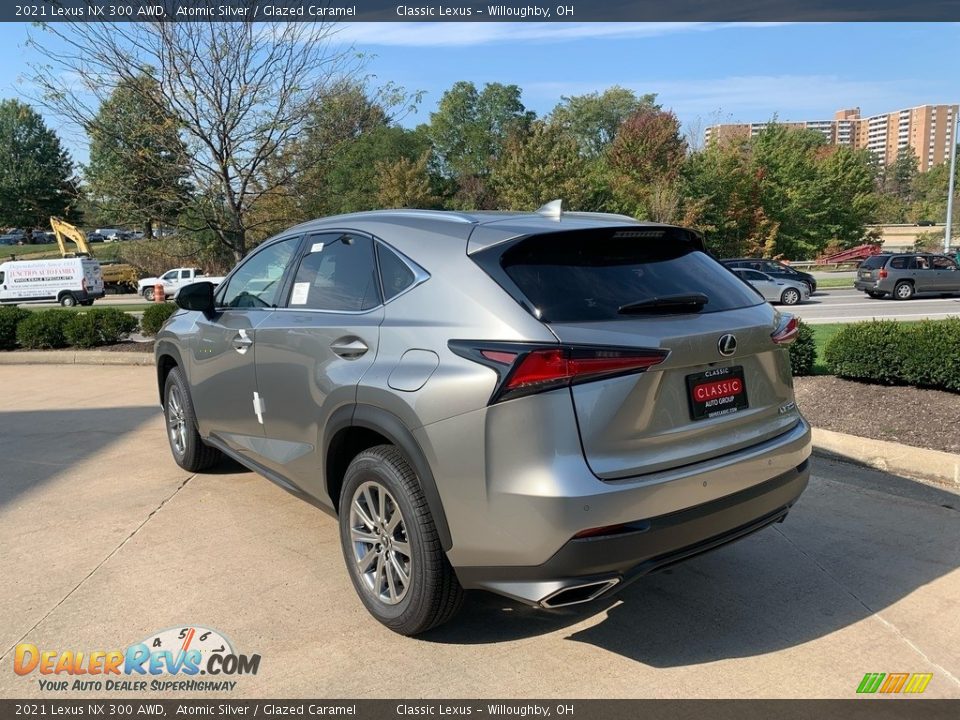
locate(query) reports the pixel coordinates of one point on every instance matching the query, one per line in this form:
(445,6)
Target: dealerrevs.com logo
(191,659)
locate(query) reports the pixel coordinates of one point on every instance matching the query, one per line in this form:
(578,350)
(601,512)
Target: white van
(70,281)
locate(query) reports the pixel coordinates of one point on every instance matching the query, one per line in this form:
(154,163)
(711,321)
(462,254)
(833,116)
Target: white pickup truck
(173,280)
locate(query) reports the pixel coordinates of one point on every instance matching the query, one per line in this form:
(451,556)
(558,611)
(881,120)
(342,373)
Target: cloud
(454,34)
(753,98)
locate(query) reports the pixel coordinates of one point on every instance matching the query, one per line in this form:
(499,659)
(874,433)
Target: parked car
(172,281)
(546,406)
(787,292)
(773,268)
(9,240)
(903,275)
(95,237)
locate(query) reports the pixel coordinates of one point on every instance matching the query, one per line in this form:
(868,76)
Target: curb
(75,357)
(935,466)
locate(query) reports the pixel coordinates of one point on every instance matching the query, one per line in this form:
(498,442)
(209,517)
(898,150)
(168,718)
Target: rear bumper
(609,563)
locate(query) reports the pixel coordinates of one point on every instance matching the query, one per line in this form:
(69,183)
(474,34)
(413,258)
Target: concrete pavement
(105,541)
(844,306)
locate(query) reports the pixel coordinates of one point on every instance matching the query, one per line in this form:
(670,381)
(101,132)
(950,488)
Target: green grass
(104,251)
(834,283)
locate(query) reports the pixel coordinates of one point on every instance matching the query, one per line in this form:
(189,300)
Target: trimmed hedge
(10,317)
(103,326)
(803,351)
(925,354)
(155,316)
(43,330)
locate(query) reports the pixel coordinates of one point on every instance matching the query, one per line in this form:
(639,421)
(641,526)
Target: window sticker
(316,247)
(300,292)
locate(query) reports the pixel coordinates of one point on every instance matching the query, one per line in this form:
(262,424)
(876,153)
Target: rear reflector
(526,368)
(787,331)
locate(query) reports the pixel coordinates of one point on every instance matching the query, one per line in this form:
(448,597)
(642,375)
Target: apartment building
(928,129)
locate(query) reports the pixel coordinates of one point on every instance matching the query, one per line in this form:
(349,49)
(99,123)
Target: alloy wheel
(176,422)
(381,547)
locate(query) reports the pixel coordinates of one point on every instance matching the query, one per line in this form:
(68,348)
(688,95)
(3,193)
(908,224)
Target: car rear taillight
(786,331)
(882,274)
(526,368)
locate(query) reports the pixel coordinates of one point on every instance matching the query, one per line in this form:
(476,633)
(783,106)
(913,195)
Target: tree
(241,95)
(544,165)
(645,159)
(138,163)
(405,183)
(36,173)
(469,131)
(593,119)
(849,197)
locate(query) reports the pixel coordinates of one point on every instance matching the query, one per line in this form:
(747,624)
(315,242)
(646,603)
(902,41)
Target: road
(845,306)
(106,541)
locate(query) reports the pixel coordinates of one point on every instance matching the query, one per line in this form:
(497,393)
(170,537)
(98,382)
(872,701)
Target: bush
(103,326)
(935,357)
(925,354)
(872,351)
(803,351)
(44,330)
(10,317)
(155,316)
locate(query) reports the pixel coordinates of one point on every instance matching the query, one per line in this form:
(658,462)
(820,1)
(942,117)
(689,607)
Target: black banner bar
(874,708)
(494,11)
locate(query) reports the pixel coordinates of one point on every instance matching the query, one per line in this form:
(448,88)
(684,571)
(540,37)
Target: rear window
(874,262)
(588,276)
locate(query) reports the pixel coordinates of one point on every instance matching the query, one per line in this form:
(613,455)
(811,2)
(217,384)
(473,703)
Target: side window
(2,276)
(755,276)
(256,283)
(338,273)
(184,274)
(899,263)
(172,275)
(943,263)
(921,263)
(395,274)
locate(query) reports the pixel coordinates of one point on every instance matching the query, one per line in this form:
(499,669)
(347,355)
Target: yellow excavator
(117,276)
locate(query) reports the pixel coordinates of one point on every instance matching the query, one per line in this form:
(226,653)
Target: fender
(165,347)
(393,428)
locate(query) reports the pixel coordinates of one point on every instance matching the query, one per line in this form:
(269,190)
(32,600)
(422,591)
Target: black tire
(68,300)
(875,295)
(433,594)
(86,303)
(790,296)
(195,455)
(147,294)
(903,290)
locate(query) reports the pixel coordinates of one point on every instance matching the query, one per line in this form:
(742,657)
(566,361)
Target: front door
(223,369)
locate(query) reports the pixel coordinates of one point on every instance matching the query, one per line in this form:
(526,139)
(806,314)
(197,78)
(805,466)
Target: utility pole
(948,230)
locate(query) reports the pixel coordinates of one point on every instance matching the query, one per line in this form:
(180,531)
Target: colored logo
(889,683)
(182,651)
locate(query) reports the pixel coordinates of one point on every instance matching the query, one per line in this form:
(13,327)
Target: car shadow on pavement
(37,445)
(845,552)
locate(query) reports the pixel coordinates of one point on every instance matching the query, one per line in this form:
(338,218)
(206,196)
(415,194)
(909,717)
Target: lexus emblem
(727,345)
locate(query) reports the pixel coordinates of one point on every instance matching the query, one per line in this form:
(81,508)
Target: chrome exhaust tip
(576,594)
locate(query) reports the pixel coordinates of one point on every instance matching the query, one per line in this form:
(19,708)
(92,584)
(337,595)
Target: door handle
(349,349)
(242,342)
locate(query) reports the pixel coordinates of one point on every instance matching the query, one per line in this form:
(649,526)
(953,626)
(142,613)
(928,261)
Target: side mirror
(196,296)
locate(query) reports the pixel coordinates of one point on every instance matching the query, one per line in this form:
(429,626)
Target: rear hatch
(870,268)
(724,384)
(92,276)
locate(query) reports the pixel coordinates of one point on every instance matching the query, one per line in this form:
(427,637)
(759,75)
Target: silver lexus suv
(544,405)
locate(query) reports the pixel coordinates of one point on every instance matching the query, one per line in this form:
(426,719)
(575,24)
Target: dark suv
(773,268)
(904,275)
(543,405)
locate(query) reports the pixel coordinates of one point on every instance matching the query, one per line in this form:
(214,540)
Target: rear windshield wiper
(691,302)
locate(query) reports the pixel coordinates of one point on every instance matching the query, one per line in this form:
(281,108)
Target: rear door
(765,285)
(924,274)
(724,385)
(312,352)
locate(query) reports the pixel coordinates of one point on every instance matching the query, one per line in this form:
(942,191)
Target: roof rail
(451,215)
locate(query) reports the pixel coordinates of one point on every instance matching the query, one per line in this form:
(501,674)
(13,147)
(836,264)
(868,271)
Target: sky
(705,73)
